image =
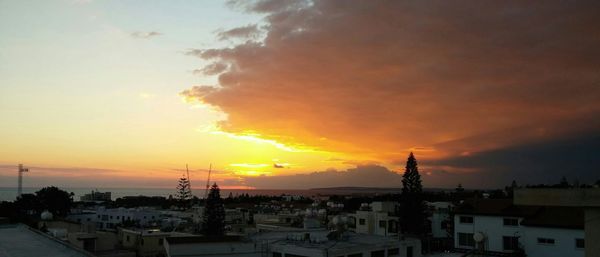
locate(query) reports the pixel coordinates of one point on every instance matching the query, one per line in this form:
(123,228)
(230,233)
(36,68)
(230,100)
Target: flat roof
(350,240)
(20,241)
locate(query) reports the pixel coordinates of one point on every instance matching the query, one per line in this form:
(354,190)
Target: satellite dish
(479,237)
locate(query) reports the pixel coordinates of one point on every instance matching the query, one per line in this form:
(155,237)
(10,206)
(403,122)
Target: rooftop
(534,216)
(495,207)
(21,241)
(557,217)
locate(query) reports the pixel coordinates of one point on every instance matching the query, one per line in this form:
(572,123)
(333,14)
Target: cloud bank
(145,34)
(381,78)
(361,176)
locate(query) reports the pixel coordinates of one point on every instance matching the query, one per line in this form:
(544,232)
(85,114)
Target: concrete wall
(238,249)
(106,241)
(152,246)
(592,232)
(364,250)
(436,224)
(574,197)
(564,242)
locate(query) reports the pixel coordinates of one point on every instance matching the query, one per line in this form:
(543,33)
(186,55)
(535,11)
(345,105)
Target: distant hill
(372,189)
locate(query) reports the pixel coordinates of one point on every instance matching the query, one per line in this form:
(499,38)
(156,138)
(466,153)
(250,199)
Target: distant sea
(10,193)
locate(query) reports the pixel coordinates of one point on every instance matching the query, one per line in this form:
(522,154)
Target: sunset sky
(298,94)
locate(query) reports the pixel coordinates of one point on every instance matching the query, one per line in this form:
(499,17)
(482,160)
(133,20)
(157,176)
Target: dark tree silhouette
(459,188)
(56,201)
(214,213)
(184,191)
(413,207)
(564,183)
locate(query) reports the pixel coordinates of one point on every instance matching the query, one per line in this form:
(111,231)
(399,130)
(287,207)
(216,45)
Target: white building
(500,226)
(440,218)
(110,218)
(376,219)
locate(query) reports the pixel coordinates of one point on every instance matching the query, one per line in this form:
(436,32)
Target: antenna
(20,188)
(207,182)
(188,177)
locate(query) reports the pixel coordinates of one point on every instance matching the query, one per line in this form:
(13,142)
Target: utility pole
(20,188)
(207,182)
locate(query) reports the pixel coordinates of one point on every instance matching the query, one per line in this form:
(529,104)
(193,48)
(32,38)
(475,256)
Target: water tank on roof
(46,215)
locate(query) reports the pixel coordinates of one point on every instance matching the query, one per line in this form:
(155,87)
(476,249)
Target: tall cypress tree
(184,191)
(413,207)
(214,213)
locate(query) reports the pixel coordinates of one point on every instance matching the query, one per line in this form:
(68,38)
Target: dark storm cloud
(361,176)
(576,158)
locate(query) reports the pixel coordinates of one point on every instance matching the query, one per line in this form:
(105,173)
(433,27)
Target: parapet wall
(570,197)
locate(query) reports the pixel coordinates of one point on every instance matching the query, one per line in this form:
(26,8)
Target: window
(142,241)
(382,224)
(127,239)
(361,221)
(466,219)
(466,239)
(545,241)
(380,253)
(511,222)
(393,251)
(510,243)
(160,241)
(579,243)
(409,251)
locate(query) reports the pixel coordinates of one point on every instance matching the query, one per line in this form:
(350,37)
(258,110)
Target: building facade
(498,226)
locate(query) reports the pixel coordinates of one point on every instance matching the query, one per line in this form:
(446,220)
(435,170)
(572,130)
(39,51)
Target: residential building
(147,242)
(376,219)
(110,218)
(440,219)
(498,226)
(586,198)
(96,196)
(295,243)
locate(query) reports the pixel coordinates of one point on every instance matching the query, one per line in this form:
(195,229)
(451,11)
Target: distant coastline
(10,193)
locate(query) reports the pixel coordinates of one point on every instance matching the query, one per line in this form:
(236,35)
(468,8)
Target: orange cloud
(379,78)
